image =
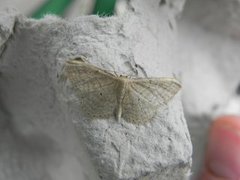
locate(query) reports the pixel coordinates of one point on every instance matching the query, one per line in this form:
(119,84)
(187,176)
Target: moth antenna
(81,59)
(143,70)
(115,73)
(178,76)
(133,68)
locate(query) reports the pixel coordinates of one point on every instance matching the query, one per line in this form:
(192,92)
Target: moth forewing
(161,90)
(94,88)
(144,96)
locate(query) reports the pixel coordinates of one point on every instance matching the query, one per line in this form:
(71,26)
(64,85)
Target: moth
(103,94)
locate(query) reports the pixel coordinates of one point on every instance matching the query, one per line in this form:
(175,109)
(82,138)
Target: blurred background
(64,8)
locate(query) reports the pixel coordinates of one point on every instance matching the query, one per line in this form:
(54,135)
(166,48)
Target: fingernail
(223,152)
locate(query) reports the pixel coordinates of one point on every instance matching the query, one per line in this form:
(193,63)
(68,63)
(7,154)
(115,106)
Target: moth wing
(94,87)
(144,97)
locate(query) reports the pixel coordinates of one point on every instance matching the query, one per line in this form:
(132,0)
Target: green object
(104,7)
(57,7)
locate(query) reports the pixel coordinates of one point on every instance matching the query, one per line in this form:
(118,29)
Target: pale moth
(102,94)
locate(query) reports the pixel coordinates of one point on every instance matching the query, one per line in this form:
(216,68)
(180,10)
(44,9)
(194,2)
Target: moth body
(121,90)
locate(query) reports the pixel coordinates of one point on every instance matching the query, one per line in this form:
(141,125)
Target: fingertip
(207,175)
(228,121)
(223,151)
